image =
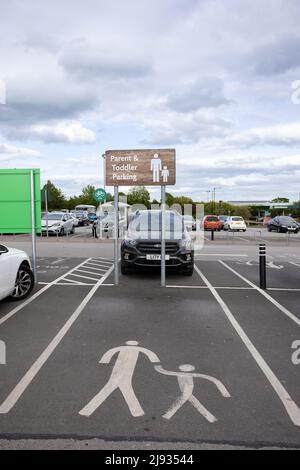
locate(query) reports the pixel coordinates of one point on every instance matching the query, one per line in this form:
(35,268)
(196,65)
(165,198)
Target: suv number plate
(156,257)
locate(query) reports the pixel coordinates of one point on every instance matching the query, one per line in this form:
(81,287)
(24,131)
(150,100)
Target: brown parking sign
(150,167)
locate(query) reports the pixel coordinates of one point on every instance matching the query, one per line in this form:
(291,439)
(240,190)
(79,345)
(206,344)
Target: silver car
(59,223)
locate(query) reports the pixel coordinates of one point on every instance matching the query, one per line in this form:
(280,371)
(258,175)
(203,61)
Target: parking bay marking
(22,385)
(37,294)
(291,407)
(265,294)
(295,264)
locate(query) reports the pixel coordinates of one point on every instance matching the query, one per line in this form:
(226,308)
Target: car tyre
(124,269)
(73,230)
(62,232)
(24,283)
(189,271)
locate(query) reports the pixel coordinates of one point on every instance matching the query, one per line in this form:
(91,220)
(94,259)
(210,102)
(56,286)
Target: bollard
(212,234)
(262,266)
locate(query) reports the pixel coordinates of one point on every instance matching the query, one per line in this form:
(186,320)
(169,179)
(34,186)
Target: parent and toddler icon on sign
(122,374)
(159,170)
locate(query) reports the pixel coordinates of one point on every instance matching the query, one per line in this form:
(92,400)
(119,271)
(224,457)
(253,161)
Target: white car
(16,276)
(59,223)
(235,223)
(189,222)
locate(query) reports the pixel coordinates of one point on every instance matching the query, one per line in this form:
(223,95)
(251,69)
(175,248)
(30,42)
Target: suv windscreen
(152,222)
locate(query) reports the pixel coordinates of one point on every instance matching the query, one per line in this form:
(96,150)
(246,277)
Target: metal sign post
(163,236)
(116,241)
(33,229)
(46,208)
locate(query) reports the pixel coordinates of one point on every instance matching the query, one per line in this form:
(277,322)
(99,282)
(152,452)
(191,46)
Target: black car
(284,224)
(141,246)
(82,218)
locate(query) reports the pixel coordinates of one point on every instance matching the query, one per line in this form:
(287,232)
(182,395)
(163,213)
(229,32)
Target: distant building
(265,204)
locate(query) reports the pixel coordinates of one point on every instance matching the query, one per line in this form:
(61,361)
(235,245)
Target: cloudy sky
(212,78)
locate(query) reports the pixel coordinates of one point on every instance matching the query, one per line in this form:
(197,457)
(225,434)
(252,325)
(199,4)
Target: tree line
(140,195)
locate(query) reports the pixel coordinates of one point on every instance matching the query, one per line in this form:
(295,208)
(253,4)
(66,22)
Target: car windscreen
(212,218)
(52,217)
(286,220)
(237,219)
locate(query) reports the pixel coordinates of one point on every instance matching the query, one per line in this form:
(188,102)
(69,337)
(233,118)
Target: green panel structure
(15,201)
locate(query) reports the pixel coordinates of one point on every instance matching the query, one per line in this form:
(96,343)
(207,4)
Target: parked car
(235,224)
(16,276)
(104,225)
(211,222)
(59,223)
(141,246)
(189,222)
(283,223)
(222,219)
(92,216)
(82,218)
(75,220)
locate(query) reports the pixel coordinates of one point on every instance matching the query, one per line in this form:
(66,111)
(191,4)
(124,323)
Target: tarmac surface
(217,323)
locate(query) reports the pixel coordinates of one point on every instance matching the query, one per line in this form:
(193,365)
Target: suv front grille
(155,247)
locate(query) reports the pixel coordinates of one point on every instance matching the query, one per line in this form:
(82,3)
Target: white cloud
(11,152)
(282,134)
(178,128)
(71,132)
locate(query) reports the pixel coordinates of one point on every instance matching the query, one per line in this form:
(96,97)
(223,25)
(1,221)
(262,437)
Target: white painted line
(70,281)
(37,294)
(283,289)
(234,288)
(84,277)
(89,266)
(57,261)
(243,239)
(291,407)
(73,284)
(265,294)
(100,261)
(187,287)
(221,254)
(89,272)
(20,388)
(295,264)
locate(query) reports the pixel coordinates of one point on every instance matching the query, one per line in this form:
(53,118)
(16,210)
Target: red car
(212,222)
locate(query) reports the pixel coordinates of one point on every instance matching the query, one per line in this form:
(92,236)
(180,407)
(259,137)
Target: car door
(8,273)
(65,222)
(69,223)
(276,223)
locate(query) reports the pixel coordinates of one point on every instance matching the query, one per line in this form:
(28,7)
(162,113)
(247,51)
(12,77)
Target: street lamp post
(214,197)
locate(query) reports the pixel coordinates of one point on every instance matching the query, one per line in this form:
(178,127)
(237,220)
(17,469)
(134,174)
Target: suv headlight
(186,243)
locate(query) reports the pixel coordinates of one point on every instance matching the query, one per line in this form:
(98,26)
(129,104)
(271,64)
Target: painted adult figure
(121,377)
(156,167)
